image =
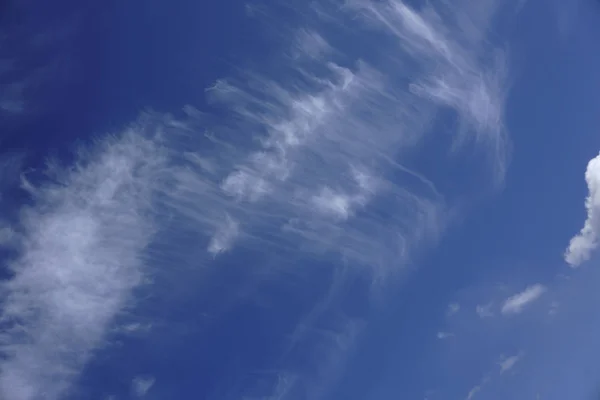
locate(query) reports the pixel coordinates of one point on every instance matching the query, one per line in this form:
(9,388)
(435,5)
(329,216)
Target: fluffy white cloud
(516,303)
(581,246)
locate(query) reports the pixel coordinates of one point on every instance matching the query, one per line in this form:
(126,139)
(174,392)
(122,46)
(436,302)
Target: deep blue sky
(335,219)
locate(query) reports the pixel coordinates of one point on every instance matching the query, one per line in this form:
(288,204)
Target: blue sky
(328,200)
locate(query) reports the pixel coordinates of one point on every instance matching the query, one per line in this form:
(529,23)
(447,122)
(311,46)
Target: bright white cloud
(581,246)
(516,303)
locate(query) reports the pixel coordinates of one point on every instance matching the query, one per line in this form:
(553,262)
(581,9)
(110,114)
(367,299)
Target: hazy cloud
(508,363)
(453,308)
(473,392)
(476,389)
(484,310)
(141,385)
(224,236)
(444,335)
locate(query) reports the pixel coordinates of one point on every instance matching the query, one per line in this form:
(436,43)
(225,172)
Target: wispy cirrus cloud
(508,363)
(583,244)
(448,44)
(475,390)
(362,116)
(81,253)
(516,303)
(141,385)
(311,163)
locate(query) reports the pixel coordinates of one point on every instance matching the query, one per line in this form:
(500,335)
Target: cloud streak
(309,164)
(516,303)
(447,44)
(509,362)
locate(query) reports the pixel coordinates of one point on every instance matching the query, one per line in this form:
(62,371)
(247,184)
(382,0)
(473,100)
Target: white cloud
(508,363)
(307,160)
(223,238)
(335,204)
(444,335)
(484,310)
(476,389)
(581,246)
(79,260)
(310,44)
(516,303)
(453,308)
(456,77)
(314,133)
(141,385)
(505,363)
(473,392)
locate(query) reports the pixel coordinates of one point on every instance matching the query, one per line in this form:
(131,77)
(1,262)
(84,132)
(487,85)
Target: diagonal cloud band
(312,162)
